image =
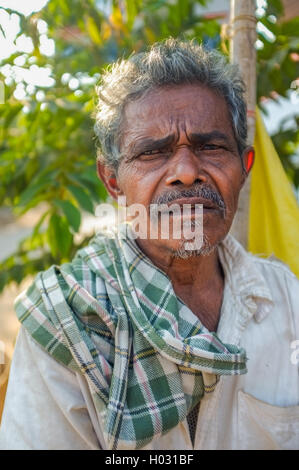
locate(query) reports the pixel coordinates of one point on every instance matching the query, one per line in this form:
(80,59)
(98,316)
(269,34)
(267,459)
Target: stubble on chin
(184,251)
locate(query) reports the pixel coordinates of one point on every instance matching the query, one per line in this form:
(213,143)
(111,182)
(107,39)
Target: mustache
(200,191)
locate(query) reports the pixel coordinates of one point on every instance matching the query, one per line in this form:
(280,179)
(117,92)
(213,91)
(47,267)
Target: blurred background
(51,56)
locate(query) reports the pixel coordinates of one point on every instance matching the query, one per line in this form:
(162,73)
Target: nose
(185,169)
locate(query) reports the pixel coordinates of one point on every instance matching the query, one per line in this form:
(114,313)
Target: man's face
(175,142)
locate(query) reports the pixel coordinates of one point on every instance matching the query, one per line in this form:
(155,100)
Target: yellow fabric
(4,371)
(274,212)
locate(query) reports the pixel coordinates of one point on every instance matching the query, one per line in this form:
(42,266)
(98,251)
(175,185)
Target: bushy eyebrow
(145,144)
(149,143)
(202,138)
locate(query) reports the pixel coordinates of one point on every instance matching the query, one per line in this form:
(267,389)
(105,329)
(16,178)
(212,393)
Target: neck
(202,268)
(198,281)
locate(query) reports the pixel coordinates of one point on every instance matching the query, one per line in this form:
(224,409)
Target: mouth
(207,205)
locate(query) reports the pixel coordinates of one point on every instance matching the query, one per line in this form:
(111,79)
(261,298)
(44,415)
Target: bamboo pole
(243,53)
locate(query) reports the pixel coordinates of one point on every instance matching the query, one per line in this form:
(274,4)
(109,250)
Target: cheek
(138,184)
(229,183)
(233,192)
(134,186)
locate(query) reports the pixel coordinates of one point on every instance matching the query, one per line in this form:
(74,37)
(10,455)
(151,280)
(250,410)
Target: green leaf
(35,232)
(2,31)
(3,279)
(93,31)
(59,236)
(11,113)
(31,191)
(291,28)
(17,272)
(131,9)
(91,184)
(71,212)
(82,198)
(44,179)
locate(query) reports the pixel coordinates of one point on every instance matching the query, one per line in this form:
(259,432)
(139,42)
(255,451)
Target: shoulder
(61,281)
(59,298)
(274,269)
(282,284)
(254,275)
(271,266)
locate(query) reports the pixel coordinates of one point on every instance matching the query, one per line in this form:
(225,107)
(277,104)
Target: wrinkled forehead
(176,109)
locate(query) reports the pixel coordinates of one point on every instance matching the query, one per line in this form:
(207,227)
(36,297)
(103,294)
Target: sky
(10,24)
(24,6)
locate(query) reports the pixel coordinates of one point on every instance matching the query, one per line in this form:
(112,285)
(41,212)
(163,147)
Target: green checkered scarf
(113,316)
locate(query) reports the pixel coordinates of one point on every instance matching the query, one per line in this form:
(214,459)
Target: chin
(189,249)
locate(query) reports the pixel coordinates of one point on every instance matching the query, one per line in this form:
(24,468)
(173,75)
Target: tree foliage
(277,73)
(46,138)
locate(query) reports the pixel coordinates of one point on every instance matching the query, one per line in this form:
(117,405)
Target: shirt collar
(244,278)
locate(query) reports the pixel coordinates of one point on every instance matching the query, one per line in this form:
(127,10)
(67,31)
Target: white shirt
(49,407)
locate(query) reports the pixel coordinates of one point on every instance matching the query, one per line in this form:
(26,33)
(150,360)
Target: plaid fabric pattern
(113,316)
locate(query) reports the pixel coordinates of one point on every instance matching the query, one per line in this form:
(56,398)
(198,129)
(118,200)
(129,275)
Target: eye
(153,154)
(211,147)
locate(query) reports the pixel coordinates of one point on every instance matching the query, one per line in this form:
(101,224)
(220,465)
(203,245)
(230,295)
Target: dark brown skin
(179,112)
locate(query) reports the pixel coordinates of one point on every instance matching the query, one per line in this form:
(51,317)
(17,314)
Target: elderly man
(152,342)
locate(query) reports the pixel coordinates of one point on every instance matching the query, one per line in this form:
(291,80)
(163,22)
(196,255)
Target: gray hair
(173,62)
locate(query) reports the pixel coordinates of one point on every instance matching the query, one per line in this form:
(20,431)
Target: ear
(108,176)
(248,156)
